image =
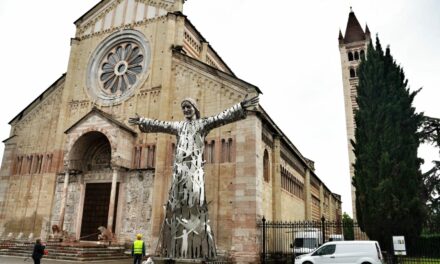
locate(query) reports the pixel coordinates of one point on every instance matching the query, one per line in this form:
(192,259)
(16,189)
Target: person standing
(138,249)
(38,251)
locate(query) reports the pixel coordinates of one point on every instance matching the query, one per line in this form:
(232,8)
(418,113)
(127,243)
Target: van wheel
(307,262)
(366,263)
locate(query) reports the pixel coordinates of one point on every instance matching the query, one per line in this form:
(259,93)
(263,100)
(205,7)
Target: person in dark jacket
(38,252)
(138,249)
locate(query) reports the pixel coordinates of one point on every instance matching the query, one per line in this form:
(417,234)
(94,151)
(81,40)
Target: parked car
(344,252)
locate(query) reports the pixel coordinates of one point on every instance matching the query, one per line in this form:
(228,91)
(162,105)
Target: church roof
(9,138)
(216,72)
(288,143)
(40,98)
(90,11)
(202,38)
(354,31)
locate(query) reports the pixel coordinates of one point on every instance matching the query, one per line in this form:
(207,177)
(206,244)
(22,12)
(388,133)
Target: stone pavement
(21,260)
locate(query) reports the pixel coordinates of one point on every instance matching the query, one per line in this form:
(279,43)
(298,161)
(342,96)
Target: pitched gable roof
(104,115)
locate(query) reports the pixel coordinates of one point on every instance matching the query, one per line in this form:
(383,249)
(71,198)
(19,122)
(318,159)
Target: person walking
(38,251)
(138,249)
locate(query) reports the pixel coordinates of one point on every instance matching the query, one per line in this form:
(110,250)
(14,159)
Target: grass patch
(419,261)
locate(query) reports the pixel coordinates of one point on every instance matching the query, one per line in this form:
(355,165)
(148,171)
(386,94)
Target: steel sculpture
(186,232)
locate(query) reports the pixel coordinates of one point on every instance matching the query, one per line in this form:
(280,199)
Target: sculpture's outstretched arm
(152,125)
(232,114)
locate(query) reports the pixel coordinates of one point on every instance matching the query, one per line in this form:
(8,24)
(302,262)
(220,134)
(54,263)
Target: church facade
(72,159)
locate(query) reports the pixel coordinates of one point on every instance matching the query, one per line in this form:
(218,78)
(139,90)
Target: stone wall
(73,203)
(136,207)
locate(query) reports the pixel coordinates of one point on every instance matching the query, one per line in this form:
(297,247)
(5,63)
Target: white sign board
(399,245)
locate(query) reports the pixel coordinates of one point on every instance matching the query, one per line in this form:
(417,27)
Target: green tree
(387,176)
(347,227)
(430,134)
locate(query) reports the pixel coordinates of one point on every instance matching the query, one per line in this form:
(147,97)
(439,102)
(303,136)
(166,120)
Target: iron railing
(282,241)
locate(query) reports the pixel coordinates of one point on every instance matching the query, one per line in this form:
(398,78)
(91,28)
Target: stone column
(64,198)
(331,208)
(308,196)
(276,179)
(111,207)
(321,200)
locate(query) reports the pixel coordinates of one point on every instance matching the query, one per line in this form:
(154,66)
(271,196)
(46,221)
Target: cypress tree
(387,173)
(347,227)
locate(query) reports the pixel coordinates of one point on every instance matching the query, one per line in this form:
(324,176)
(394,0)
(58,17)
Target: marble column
(308,196)
(64,198)
(112,205)
(276,179)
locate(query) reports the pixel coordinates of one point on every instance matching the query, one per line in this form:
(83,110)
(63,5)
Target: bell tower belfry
(352,47)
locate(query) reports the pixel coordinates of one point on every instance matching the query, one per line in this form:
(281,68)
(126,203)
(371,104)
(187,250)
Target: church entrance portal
(95,212)
(91,156)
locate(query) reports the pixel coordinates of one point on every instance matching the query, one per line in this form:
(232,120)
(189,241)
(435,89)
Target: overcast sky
(288,48)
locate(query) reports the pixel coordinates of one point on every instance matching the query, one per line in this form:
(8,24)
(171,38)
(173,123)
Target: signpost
(399,246)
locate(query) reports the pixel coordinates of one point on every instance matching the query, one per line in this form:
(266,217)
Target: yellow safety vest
(137,247)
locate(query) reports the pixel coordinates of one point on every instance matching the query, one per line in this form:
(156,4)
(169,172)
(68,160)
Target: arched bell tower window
(350,56)
(352,73)
(266,175)
(356,55)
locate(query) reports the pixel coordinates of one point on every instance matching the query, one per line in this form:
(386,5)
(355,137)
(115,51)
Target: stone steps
(77,251)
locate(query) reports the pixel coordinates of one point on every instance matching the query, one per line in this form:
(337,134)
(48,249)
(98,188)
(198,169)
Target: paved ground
(16,260)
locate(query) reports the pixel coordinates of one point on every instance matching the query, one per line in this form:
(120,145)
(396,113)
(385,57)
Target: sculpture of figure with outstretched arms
(186,215)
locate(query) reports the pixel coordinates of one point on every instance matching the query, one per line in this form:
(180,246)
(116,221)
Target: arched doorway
(91,152)
(91,157)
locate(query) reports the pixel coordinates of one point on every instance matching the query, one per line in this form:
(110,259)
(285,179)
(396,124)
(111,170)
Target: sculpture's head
(190,109)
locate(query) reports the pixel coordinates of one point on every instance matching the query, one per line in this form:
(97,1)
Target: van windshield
(306,243)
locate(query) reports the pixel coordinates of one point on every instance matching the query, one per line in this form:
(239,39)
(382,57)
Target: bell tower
(352,47)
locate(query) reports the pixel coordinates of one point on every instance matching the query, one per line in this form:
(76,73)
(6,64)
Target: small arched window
(29,164)
(356,55)
(229,151)
(226,151)
(350,56)
(352,73)
(223,151)
(211,153)
(151,156)
(266,166)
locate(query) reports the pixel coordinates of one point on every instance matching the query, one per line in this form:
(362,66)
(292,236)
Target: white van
(307,240)
(344,252)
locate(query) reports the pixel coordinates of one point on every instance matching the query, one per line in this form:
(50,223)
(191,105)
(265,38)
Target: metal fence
(282,241)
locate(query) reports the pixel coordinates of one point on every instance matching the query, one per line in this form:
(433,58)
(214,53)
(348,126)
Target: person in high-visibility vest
(138,249)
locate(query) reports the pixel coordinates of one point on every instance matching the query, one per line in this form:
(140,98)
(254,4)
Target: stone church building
(72,160)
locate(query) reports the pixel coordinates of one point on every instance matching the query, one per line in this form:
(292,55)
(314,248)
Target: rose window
(118,66)
(120,69)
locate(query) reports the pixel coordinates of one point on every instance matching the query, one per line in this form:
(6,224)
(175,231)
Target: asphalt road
(16,260)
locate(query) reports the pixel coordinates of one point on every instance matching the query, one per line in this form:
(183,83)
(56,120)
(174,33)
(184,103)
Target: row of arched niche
(355,55)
